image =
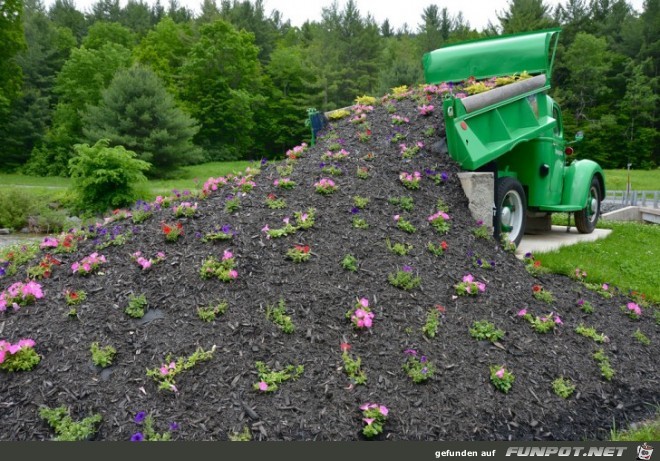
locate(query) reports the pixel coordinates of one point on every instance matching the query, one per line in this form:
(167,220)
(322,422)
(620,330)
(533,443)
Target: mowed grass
(639,179)
(189,177)
(629,258)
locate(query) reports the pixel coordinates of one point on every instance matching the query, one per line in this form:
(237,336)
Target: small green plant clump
(481,231)
(405,203)
(590,332)
(136,306)
(484,330)
(210,313)
(430,328)
(542,294)
(269,380)
(606,369)
(352,367)
(585,306)
(404,279)
(165,374)
(224,269)
(360,202)
(102,356)
(501,378)
(360,223)
(437,249)
(419,369)
(564,388)
(66,429)
(405,225)
(401,249)
(277,315)
(244,436)
(233,204)
(541,325)
(350,263)
(642,338)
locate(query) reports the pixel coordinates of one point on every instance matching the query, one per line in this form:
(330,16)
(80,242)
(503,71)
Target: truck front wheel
(511,208)
(586,218)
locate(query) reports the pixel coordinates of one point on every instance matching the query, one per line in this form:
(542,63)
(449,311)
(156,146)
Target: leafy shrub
(105,177)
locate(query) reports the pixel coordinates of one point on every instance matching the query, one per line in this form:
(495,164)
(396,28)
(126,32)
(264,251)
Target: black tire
(587,218)
(511,205)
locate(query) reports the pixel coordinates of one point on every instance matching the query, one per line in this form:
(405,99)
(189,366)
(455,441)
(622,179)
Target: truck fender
(577,181)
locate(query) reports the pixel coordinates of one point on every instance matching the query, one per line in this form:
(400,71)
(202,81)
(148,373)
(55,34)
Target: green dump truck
(515,131)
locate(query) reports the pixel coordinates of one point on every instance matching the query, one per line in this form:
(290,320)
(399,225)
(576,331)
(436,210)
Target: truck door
(558,160)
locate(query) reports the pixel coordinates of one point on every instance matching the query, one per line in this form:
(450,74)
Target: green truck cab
(516,132)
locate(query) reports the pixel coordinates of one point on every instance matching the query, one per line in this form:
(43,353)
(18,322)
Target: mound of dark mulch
(216,398)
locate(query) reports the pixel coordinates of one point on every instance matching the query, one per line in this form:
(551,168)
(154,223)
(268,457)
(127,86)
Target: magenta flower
(364,302)
(500,373)
(227,255)
(383,410)
(522,312)
(233,274)
(368,420)
(634,308)
(263,386)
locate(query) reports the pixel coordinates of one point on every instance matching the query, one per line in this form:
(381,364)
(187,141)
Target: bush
(105,177)
(20,208)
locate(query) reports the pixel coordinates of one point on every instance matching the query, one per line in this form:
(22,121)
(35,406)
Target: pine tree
(137,112)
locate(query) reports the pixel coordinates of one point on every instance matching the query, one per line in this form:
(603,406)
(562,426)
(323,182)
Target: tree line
(235,81)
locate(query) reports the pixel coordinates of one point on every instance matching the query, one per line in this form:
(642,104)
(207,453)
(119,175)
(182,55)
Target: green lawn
(629,258)
(186,178)
(639,179)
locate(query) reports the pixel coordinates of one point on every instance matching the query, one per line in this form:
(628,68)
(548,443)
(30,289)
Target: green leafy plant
(244,436)
(437,249)
(362,172)
(481,231)
(429,131)
(542,294)
(165,374)
(288,229)
(374,416)
(590,332)
(275,203)
(269,380)
(147,432)
(641,337)
(305,219)
(419,369)
(544,324)
(102,356)
(405,203)
(332,170)
(602,289)
(352,367)
(404,279)
(277,315)
(233,204)
(401,249)
(338,114)
(484,330)
(285,169)
(585,306)
(360,223)
(136,306)
(210,313)
(299,253)
(501,378)
(606,369)
(350,263)
(564,388)
(66,428)
(14,256)
(405,225)
(360,202)
(224,269)
(18,357)
(105,177)
(430,328)
(73,298)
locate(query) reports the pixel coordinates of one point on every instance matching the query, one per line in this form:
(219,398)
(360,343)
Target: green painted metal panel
(492,57)
(577,181)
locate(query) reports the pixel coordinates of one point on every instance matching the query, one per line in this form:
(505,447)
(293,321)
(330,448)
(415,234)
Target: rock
(5,231)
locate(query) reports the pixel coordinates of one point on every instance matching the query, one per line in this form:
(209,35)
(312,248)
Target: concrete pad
(555,239)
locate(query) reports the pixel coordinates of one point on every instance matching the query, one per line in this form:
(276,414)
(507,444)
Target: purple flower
(322,165)
(140,416)
(407,269)
(423,359)
(2,271)
(425,370)
(264,161)
(410,352)
(444,176)
(528,255)
(174,427)
(355,210)
(226,229)
(430,172)
(479,262)
(198,235)
(137,437)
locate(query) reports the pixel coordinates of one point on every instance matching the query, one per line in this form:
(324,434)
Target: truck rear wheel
(511,208)
(586,218)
